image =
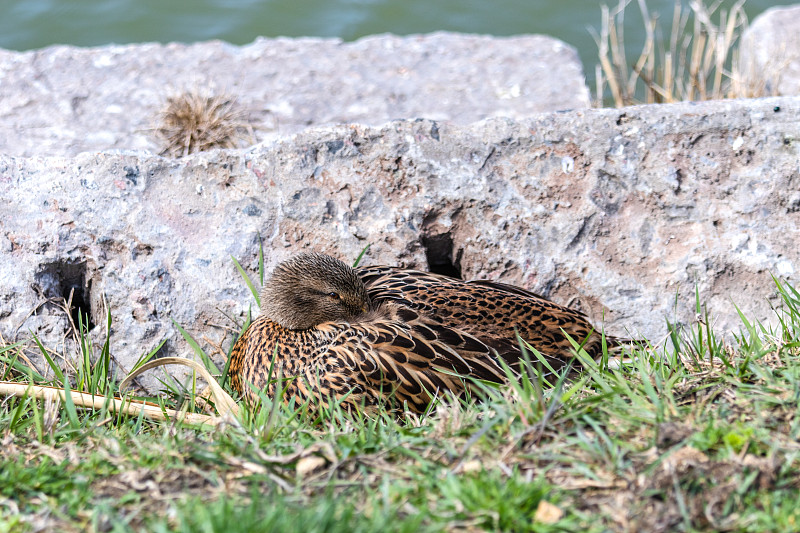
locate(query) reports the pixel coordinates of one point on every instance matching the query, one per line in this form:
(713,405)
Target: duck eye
(333,295)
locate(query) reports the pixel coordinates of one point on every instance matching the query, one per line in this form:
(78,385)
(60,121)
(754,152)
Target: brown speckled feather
(374,335)
(490,311)
(392,354)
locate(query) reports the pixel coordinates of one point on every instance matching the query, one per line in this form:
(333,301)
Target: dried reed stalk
(115,405)
(226,406)
(697,65)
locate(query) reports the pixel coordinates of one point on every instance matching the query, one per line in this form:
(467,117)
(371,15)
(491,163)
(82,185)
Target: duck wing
(492,311)
(398,356)
(411,358)
(513,289)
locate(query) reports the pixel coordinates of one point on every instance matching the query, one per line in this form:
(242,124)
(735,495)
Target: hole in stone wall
(61,279)
(439,253)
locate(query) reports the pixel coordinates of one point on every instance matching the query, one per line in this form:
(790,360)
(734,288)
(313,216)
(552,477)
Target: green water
(29,24)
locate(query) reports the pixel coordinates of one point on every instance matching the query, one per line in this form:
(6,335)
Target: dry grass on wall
(699,61)
(194,121)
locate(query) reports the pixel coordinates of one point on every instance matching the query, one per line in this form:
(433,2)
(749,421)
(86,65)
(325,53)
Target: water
(30,24)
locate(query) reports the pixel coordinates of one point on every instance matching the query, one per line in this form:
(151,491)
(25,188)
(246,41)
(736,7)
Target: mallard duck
(378,335)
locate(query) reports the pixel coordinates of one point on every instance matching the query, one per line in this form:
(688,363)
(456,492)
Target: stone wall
(65,100)
(621,213)
(769,58)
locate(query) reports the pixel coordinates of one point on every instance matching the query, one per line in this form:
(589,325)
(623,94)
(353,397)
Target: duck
(394,337)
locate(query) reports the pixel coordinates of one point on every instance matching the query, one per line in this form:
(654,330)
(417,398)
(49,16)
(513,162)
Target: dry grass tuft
(697,64)
(195,122)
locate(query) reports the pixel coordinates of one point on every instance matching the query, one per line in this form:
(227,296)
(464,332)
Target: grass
(696,60)
(697,435)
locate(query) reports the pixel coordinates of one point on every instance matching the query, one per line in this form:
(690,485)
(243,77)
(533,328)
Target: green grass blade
(69,406)
(260,261)
(249,283)
(361,256)
(148,356)
(207,362)
(53,366)
(16,364)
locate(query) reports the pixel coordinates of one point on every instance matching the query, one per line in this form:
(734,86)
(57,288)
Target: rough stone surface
(64,100)
(769,56)
(618,212)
